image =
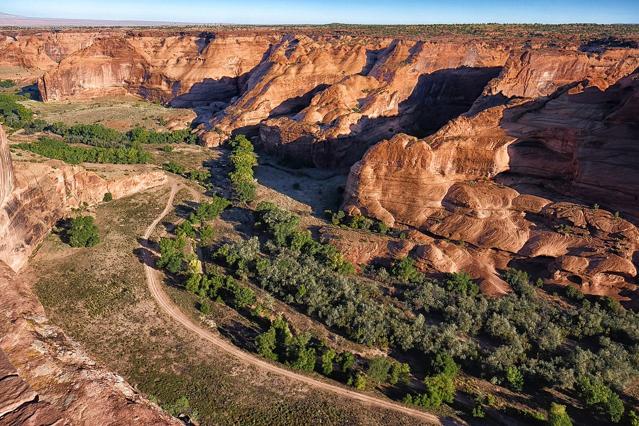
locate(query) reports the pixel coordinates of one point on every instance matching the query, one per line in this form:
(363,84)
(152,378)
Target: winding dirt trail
(163,300)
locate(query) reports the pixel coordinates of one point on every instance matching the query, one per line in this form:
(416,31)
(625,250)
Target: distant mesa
(7,20)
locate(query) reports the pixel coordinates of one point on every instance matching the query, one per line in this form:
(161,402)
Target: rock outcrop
(45,192)
(410,87)
(469,139)
(183,70)
(502,177)
(47,379)
(6,168)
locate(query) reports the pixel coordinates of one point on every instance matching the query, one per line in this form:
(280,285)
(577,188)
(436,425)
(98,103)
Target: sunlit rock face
(513,175)
(185,70)
(6,168)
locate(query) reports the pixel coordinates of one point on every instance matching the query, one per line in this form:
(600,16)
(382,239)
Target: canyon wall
(46,378)
(513,174)
(184,70)
(45,192)
(6,168)
(469,139)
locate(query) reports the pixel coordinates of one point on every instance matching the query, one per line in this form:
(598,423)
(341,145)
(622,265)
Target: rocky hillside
(46,378)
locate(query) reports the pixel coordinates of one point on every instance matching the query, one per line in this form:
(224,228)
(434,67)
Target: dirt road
(154,283)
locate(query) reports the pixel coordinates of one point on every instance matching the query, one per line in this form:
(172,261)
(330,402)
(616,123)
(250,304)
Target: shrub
(378,369)
(514,378)
(346,361)
(405,270)
(360,381)
(107,197)
(328,356)
(557,416)
(266,344)
(463,283)
(520,282)
(7,84)
(399,373)
(596,394)
(204,306)
(83,232)
(573,293)
(212,209)
(440,387)
(478,410)
(13,114)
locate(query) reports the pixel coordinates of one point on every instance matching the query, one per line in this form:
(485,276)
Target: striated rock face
(184,70)
(410,86)
(499,176)
(297,68)
(44,193)
(46,379)
(6,168)
(467,139)
(42,50)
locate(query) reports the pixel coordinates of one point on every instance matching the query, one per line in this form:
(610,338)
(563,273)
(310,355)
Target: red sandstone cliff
(6,168)
(502,177)
(45,378)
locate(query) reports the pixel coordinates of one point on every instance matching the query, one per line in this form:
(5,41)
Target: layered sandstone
(496,177)
(184,70)
(409,86)
(470,139)
(41,51)
(44,192)
(6,168)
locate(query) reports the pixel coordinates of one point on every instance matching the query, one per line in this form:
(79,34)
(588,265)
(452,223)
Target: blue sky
(327,11)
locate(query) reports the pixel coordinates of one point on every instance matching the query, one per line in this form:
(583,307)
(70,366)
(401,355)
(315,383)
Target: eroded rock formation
(45,378)
(470,139)
(183,70)
(514,177)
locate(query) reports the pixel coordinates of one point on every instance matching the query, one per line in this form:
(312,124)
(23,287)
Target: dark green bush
(83,232)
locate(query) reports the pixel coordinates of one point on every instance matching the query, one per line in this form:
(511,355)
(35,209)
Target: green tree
(462,282)
(172,254)
(346,361)
(399,373)
(301,355)
(83,232)
(360,381)
(378,369)
(405,270)
(514,378)
(207,233)
(557,415)
(328,356)
(267,343)
(212,209)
